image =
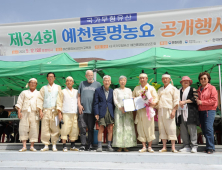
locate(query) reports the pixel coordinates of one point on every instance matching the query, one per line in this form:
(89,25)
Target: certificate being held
(128,105)
(133,104)
(139,103)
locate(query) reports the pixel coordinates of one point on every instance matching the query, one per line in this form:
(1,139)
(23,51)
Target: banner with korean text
(133,30)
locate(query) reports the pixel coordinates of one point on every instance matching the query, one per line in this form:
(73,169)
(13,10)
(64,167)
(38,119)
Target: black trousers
(86,120)
(2,129)
(8,131)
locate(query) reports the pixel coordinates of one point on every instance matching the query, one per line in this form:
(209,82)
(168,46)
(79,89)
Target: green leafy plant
(155,85)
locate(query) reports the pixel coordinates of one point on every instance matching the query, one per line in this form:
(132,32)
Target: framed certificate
(133,104)
(129,105)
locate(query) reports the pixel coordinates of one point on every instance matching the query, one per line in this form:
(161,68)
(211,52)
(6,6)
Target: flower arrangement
(146,96)
(143,95)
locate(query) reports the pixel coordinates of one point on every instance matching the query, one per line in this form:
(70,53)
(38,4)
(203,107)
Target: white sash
(184,111)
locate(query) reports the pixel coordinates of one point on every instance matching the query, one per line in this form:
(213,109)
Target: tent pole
(220,87)
(94,74)
(155,73)
(156,76)
(95,71)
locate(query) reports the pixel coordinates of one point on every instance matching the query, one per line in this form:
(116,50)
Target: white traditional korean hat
(32,79)
(69,77)
(143,74)
(167,75)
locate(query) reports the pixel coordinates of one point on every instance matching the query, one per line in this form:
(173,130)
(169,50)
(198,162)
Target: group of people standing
(78,110)
(197,107)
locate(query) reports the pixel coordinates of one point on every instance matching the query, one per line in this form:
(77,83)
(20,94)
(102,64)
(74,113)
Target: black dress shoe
(90,148)
(82,148)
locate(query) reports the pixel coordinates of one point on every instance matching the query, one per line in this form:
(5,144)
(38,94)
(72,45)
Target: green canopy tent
(157,61)
(154,62)
(15,75)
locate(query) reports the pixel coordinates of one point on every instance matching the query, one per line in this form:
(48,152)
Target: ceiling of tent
(176,74)
(15,75)
(154,62)
(176,62)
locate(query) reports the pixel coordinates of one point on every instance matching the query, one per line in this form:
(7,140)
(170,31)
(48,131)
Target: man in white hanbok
(67,109)
(28,115)
(169,98)
(46,103)
(145,127)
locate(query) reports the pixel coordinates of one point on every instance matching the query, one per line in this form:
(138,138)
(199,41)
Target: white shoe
(33,149)
(150,150)
(23,149)
(143,150)
(194,150)
(74,149)
(65,149)
(54,149)
(174,151)
(185,150)
(44,149)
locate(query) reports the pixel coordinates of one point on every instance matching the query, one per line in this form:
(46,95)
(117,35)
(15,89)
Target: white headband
(166,75)
(32,79)
(143,75)
(69,77)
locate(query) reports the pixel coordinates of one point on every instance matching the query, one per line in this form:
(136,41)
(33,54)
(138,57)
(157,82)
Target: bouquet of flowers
(146,96)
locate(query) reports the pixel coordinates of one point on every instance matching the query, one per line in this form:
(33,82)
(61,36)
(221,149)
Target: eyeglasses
(203,78)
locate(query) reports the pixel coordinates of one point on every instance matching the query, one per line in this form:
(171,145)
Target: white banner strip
(135,30)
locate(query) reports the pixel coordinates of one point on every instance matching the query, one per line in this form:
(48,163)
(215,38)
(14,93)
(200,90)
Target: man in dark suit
(104,111)
(3,114)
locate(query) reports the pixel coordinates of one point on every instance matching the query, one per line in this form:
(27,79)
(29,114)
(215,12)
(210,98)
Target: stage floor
(109,160)
(156,147)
